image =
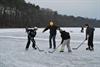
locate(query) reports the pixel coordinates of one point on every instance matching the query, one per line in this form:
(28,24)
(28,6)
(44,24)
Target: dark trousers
(52,37)
(28,42)
(90,42)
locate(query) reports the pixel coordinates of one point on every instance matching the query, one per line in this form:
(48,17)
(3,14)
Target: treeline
(19,14)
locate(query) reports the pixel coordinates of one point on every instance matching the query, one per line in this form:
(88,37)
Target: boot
(34,48)
(69,51)
(92,49)
(87,48)
(61,51)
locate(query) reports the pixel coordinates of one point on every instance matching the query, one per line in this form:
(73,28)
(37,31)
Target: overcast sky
(84,8)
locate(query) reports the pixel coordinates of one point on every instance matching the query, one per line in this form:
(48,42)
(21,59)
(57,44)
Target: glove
(85,38)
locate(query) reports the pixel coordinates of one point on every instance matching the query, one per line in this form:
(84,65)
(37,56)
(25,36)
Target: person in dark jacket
(31,34)
(52,27)
(89,37)
(82,29)
(65,40)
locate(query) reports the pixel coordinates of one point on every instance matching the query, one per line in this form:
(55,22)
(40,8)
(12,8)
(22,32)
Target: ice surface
(13,54)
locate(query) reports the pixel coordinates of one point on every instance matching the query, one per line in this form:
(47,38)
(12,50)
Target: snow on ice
(13,54)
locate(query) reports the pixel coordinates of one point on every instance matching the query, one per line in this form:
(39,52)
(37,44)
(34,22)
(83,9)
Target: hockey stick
(33,41)
(54,49)
(39,49)
(78,45)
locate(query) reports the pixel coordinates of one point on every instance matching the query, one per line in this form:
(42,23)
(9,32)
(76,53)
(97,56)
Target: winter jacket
(31,32)
(52,29)
(64,35)
(90,31)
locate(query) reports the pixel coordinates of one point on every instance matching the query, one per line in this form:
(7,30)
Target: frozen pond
(13,54)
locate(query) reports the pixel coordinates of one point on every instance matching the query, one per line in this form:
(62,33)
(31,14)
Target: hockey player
(31,34)
(89,37)
(65,40)
(82,29)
